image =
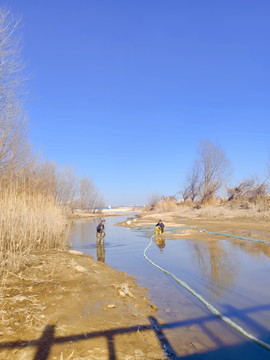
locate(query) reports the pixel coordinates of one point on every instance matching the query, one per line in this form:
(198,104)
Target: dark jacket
(100,228)
(162,226)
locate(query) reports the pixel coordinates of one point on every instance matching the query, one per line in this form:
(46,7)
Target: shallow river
(233,275)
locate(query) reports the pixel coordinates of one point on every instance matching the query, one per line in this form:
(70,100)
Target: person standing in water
(101,231)
(100,251)
(160,228)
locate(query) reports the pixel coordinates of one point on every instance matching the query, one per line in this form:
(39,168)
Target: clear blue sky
(124,90)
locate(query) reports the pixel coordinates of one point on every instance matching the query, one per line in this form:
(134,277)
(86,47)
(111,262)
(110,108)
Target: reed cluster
(29,221)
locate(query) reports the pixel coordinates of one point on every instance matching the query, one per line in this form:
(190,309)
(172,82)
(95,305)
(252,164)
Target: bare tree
(14,147)
(215,168)
(16,160)
(89,198)
(66,186)
(15,150)
(192,187)
(57,182)
(10,55)
(154,199)
(208,174)
(45,178)
(248,189)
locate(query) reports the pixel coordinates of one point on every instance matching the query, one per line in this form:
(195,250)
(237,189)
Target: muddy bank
(234,226)
(66,305)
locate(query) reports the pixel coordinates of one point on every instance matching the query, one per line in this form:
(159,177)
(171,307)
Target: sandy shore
(66,305)
(234,226)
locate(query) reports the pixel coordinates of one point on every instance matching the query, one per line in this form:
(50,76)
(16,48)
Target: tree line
(18,164)
(35,194)
(211,172)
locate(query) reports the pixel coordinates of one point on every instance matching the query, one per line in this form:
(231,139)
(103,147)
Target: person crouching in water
(160,228)
(101,231)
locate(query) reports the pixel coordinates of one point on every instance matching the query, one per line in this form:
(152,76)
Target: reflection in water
(83,232)
(218,265)
(160,242)
(233,273)
(101,251)
(255,249)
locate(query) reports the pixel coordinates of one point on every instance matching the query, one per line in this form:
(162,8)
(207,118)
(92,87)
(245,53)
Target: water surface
(233,275)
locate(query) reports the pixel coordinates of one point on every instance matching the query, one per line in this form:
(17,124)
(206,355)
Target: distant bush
(248,189)
(164,204)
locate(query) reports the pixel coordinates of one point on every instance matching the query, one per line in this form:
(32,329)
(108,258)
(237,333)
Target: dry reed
(29,221)
(258,209)
(164,205)
(242,208)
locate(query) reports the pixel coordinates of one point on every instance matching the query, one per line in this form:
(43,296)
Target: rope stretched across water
(236,237)
(210,307)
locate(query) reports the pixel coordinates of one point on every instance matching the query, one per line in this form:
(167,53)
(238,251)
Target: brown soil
(259,229)
(66,305)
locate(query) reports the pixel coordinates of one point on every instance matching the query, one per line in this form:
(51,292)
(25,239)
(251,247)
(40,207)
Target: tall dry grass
(30,218)
(29,221)
(242,208)
(164,205)
(257,209)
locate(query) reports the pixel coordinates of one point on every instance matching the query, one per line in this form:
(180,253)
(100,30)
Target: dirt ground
(66,305)
(259,229)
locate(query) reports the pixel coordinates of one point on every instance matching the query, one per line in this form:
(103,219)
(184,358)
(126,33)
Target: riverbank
(66,305)
(207,219)
(123,210)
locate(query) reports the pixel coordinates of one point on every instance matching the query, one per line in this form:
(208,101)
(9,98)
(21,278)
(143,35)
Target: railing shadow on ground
(222,351)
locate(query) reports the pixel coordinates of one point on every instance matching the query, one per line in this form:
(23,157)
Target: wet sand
(66,305)
(231,273)
(234,226)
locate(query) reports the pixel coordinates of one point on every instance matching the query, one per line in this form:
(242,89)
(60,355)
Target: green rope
(210,307)
(236,237)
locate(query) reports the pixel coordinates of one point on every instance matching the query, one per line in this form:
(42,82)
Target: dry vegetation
(241,208)
(209,174)
(35,195)
(29,220)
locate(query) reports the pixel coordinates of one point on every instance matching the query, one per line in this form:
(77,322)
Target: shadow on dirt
(222,351)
